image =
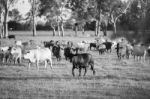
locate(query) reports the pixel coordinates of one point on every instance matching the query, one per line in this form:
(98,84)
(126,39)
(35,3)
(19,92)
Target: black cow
(82,60)
(94,45)
(68,53)
(11,37)
(108,45)
(56,50)
(49,44)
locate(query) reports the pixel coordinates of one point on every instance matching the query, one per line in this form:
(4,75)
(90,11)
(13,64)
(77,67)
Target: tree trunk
(83,30)
(62,29)
(58,29)
(1,30)
(34,27)
(76,30)
(34,19)
(96,27)
(54,31)
(115,28)
(6,23)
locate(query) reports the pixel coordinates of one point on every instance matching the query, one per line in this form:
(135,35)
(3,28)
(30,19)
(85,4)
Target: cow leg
(92,68)
(45,63)
(29,65)
(73,71)
(80,71)
(37,64)
(20,61)
(51,63)
(85,71)
(15,60)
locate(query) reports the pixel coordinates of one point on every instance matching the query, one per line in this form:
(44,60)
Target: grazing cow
(39,55)
(16,53)
(11,37)
(82,60)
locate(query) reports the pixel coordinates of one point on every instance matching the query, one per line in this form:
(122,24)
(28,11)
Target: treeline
(17,26)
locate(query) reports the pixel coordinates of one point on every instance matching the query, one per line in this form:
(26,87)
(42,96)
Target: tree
(117,8)
(5,5)
(56,13)
(33,14)
(1,22)
(83,13)
(14,15)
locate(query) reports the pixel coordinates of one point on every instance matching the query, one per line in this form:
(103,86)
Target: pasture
(114,79)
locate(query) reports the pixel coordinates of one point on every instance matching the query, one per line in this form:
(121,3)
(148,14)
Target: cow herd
(78,53)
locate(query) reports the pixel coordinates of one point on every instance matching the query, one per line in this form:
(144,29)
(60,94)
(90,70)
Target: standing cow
(39,55)
(139,51)
(82,60)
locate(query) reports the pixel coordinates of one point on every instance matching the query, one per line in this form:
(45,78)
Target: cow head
(13,50)
(29,55)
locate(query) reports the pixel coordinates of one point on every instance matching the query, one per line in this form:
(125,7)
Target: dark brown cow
(82,60)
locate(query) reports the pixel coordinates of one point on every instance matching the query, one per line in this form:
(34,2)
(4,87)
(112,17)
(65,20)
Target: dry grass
(114,79)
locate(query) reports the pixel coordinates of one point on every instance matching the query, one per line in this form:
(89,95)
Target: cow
(57,52)
(108,45)
(67,53)
(5,53)
(101,48)
(49,44)
(139,51)
(147,54)
(39,55)
(16,54)
(18,43)
(11,37)
(82,60)
(94,45)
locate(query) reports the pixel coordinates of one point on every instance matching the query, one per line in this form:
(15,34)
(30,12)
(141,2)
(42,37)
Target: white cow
(16,54)
(18,43)
(4,49)
(39,55)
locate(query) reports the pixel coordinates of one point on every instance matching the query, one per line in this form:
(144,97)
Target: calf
(83,60)
(39,55)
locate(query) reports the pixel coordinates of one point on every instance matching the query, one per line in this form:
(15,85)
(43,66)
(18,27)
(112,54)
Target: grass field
(114,79)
